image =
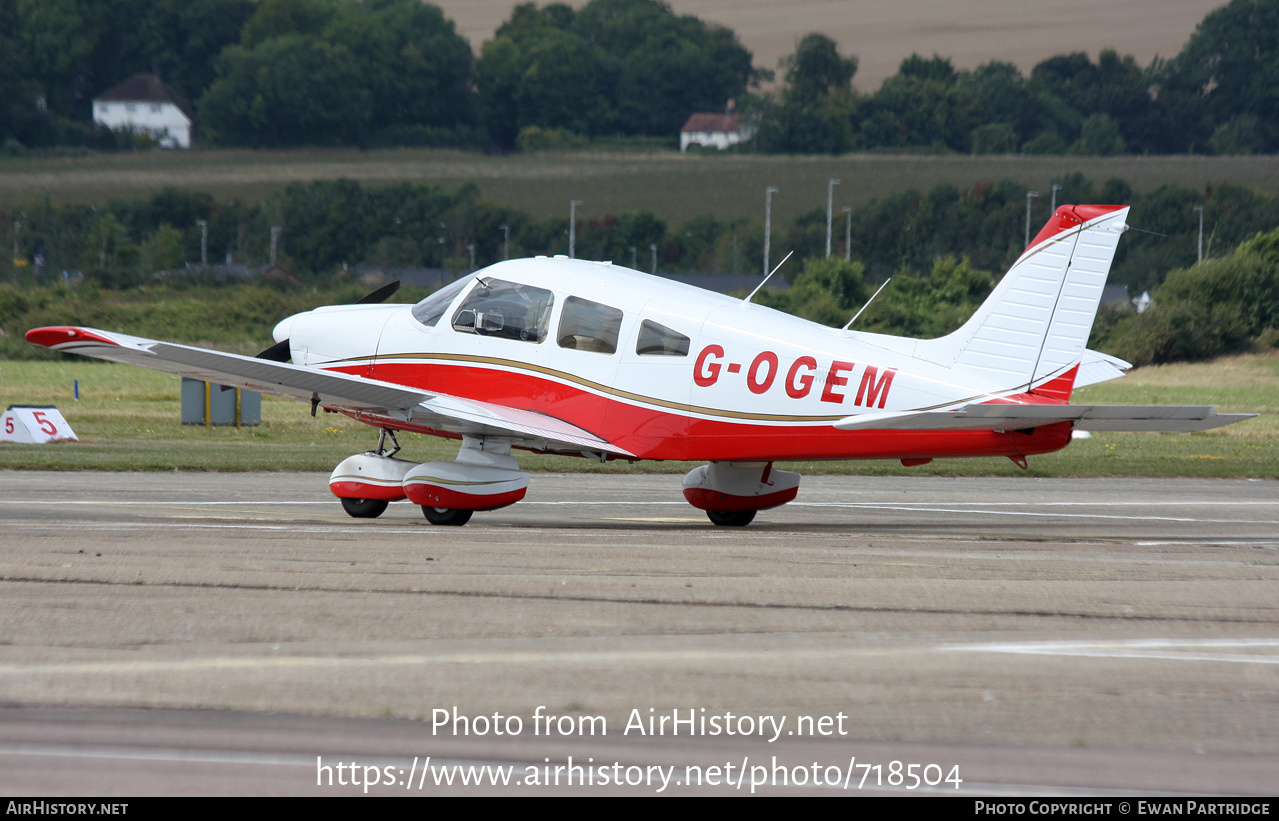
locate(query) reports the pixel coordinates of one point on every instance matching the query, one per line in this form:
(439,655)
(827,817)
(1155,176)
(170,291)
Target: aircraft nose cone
(283,329)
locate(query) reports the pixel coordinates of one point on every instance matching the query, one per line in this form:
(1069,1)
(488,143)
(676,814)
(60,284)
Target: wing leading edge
(330,389)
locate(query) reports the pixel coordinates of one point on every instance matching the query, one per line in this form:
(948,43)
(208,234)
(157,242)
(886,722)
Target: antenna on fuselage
(867,305)
(766,279)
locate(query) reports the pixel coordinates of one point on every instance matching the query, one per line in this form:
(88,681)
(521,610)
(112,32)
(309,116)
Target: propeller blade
(279,352)
(381,294)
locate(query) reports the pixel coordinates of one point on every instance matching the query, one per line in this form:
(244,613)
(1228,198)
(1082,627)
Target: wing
(1149,418)
(330,389)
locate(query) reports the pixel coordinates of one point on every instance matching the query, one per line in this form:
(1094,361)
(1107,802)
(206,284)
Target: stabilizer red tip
(55,335)
(1067,217)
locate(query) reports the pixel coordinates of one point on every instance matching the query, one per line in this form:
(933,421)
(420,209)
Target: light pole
(653,249)
(471,247)
(768,222)
(634,264)
(1056,188)
(848,233)
(275,238)
(1030,195)
(204,242)
(506,240)
(572,228)
(830,204)
(1200,209)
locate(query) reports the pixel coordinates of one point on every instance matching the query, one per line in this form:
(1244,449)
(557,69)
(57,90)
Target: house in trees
(716,130)
(147,106)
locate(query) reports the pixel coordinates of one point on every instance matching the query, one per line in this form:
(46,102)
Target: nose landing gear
(367,482)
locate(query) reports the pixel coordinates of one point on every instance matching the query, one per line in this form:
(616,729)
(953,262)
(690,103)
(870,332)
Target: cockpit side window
(429,310)
(505,309)
(659,340)
(589,326)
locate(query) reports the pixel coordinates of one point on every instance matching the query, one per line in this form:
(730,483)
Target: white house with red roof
(717,130)
(147,106)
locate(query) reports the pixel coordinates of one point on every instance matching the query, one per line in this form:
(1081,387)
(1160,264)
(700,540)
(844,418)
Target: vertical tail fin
(1034,326)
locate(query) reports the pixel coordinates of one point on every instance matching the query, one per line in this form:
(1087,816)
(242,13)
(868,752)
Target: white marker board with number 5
(35,424)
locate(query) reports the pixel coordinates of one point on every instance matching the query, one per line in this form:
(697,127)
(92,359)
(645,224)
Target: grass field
(128,419)
(673,186)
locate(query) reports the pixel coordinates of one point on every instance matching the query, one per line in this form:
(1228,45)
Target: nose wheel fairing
(370,476)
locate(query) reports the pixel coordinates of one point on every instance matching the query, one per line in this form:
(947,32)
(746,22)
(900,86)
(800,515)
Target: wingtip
(53,336)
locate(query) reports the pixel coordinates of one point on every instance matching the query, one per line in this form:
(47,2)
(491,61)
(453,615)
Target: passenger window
(505,309)
(589,326)
(659,340)
(429,310)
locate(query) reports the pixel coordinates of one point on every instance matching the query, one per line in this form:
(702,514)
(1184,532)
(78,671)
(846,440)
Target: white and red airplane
(555,355)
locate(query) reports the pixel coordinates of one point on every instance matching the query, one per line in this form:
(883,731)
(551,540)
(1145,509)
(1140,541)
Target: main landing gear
(731,492)
(484,477)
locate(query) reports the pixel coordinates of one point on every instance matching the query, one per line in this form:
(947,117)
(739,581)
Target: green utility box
(204,403)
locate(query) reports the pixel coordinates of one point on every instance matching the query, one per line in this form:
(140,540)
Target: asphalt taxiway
(1043,635)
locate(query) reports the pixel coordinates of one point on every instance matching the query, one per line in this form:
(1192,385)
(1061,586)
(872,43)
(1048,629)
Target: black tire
(365,508)
(446,516)
(731,518)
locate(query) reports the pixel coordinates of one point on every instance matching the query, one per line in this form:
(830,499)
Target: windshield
(429,310)
(506,309)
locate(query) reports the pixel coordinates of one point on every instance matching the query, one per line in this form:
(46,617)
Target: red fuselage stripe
(654,433)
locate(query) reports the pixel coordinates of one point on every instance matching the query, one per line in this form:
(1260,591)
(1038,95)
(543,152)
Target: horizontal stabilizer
(1099,367)
(1150,418)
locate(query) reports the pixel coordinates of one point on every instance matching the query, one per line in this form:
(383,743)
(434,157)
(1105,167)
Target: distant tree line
(943,248)
(141,270)
(327,225)
(396,72)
